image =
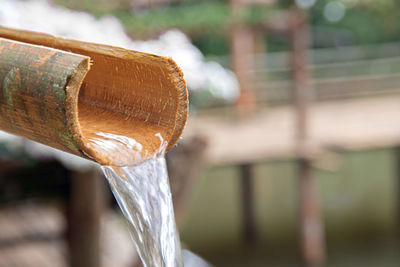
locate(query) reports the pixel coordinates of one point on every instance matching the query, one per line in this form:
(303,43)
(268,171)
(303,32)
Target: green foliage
(96,7)
(369,21)
(212,44)
(189,17)
(194,17)
(286,3)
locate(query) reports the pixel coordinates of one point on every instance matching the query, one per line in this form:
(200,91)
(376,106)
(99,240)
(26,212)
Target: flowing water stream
(144,196)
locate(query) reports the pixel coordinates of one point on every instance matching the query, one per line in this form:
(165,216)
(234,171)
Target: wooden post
(311,225)
(260,48)
(87,203)
(397,215)
(242,57)
(249,225)
(184,164)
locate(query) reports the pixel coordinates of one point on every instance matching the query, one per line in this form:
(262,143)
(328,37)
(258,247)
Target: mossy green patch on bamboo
(11,85)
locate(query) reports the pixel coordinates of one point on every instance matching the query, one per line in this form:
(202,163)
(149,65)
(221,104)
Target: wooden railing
(337,73)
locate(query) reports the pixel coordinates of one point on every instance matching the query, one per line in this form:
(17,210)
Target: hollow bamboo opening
(120,106)
(128,100)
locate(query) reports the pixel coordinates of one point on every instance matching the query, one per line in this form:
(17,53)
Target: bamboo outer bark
(35,89)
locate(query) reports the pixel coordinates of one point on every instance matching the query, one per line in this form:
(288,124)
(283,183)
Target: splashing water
(144,196)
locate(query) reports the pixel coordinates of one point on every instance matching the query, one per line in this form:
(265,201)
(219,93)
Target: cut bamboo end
(117,103)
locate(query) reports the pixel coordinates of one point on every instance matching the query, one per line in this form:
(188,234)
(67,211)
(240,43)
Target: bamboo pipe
(67,94)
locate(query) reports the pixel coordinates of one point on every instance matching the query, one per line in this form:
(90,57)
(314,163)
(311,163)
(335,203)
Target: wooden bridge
(269,133)
(346,99)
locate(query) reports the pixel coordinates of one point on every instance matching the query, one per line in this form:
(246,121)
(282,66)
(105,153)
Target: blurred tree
(368,21)
(286,3)
(207,21)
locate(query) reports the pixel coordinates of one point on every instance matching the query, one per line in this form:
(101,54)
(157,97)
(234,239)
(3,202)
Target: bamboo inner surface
(125,92)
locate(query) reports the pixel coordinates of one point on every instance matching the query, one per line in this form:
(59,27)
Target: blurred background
(291,155)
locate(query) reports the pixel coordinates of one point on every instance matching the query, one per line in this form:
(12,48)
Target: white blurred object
(192,260)
(40,15)
(334,11)
(305,3)
(221,81)
(177,45)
